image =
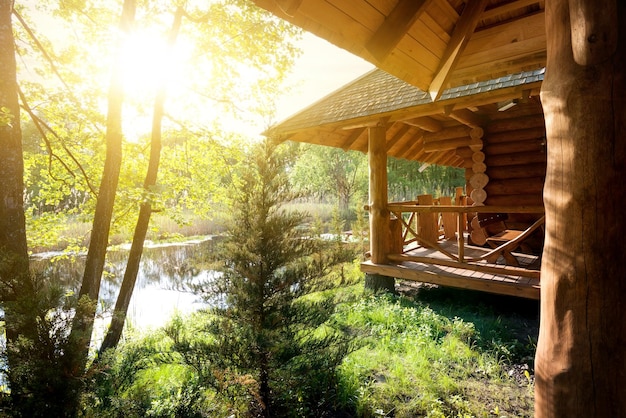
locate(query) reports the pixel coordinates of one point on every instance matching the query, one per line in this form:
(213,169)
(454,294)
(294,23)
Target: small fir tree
(270,327)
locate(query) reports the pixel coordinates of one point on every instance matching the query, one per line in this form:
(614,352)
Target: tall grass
(419,361)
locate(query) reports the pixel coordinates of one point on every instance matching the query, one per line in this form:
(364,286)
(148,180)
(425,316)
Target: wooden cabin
(440,45)
(493,129)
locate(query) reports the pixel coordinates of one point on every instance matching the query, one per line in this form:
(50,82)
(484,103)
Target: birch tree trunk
(581,354)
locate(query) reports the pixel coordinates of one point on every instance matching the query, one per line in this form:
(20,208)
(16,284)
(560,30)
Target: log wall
(515,157)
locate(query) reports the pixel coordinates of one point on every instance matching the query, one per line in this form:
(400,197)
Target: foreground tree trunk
(16,288)
(581,354)
(94,264)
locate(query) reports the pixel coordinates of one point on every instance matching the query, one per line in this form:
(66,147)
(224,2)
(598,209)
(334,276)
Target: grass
(427,355)
(425,352)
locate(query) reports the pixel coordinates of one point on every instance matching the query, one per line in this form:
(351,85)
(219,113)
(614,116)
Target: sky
(321,69)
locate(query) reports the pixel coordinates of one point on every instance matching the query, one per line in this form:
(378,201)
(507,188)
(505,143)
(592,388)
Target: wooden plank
(458,281)
(458,41)
(395,27)
(507,8)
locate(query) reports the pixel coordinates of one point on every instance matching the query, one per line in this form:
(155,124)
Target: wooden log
(476,144)
(581,361)
(479,180)
(515,124)
(479,168)
(426,123)
(531,185)
(445,144)
(476,133)
(519,158)
(479,196)
(448,133)
(518,171)
(513,200)
(478,157)
(379,215)
(467,117)
(536,145)
(465,153)
(516,135)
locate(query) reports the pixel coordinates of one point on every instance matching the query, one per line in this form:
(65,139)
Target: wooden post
(379,215)
(427,226)
(380,235)
(581,355)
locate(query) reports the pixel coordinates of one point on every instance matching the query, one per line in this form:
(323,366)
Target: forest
(120,122)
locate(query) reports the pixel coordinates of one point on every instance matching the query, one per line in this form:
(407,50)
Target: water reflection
(164,274)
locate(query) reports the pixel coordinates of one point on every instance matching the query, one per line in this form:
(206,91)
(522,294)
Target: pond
(159,293)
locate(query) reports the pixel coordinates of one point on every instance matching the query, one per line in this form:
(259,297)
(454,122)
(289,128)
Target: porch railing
(413,225)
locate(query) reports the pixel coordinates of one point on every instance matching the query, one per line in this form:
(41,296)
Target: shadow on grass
(506,324)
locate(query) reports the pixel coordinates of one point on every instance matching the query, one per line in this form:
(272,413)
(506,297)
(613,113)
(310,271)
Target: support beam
(354,136)
(458,41)
(468,118)
(426,123)
(379,215)
(395,26)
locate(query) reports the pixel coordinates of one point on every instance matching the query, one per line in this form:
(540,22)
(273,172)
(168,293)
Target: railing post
(460,237)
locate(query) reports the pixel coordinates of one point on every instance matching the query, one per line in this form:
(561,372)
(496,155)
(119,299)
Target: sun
(148,61)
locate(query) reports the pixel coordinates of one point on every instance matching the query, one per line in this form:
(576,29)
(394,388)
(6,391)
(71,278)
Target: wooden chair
(504,240)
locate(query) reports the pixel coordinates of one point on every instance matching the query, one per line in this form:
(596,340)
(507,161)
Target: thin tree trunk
(82,326)
(581,354)
(114,332)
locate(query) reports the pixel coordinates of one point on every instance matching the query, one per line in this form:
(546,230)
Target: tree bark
(82,326)
(114,332)
(581,356)
(16,288)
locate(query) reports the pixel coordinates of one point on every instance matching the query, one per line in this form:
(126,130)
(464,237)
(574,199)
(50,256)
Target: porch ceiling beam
(352,138)
(458,41)
(397,136)
(289,7)
(426,123)
(395,26)
(507,8)
(468,118)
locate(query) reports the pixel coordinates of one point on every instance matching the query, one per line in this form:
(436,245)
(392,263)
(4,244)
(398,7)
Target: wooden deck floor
(496,281)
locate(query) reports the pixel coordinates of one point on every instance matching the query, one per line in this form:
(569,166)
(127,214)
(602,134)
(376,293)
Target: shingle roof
(378,92)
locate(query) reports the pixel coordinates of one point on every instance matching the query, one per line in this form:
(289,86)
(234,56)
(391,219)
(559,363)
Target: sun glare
(147,63)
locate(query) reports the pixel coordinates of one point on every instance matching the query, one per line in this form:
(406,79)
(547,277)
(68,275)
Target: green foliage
(406,181)
(420,361)
(40,379)
(265,325)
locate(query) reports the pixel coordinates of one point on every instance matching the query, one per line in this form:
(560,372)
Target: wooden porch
(428,243)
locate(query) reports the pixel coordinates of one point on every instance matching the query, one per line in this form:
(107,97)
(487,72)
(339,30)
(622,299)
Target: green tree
(267,323)
(48,330)
(327,171)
